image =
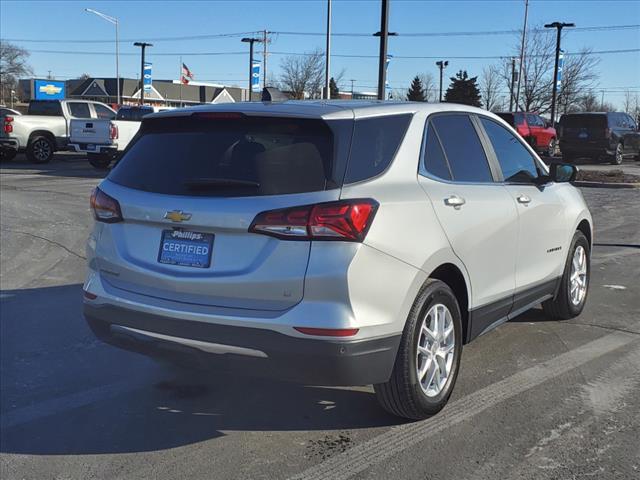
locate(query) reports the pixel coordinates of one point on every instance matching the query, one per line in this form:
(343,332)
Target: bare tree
(631,104)
(303,75)
(588,102)
(537,74)
(490,84)
(428,86)
(13,65)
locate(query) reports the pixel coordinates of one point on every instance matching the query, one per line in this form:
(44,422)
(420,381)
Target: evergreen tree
(463,90)
(416,91)
(333,89)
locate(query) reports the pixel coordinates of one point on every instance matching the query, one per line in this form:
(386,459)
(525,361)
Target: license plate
(90,146)
(187,249)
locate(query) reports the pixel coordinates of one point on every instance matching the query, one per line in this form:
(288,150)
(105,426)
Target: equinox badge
(177,216)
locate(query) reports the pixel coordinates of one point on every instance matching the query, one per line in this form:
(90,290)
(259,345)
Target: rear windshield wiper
(213,183)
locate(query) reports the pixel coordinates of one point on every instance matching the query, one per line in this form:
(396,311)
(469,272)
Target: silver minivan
(331,243)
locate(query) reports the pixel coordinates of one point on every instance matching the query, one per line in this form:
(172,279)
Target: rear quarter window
(374,145)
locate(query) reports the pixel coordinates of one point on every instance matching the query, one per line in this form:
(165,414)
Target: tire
(7,155)
(617,157)
(404,395)
(562,307)
(40,149)
(99,161)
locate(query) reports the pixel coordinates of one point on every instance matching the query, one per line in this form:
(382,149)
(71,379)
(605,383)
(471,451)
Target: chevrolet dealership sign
(48,90)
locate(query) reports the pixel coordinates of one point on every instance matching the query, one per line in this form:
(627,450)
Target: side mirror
(562,172)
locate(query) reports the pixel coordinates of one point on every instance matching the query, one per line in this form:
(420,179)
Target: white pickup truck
(104,140)
(45,127)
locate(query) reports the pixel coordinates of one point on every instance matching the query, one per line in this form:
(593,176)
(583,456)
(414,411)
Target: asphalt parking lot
(535,399)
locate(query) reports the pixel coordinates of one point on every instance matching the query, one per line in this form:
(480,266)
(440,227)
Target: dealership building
(169,93)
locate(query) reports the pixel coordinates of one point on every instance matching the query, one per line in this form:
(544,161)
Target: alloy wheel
(578,278)
(41,150)
(435,350)
(619,154)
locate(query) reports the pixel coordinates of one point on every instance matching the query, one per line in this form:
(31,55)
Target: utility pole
(442,64)
(49,75)
(352,82)
(513,80)
(558,26)
(327,91)
(602,100)
(143,46)
(265,40)
(384,36)
(521,66)
(250,41)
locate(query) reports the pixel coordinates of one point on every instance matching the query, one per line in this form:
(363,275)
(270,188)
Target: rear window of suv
(232,156)
(582,120)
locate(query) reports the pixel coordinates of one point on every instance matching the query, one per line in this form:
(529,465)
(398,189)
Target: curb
(583,183)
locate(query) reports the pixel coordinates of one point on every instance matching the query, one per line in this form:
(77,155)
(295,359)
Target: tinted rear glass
(584,121)
(229,157)
(375,142)
(133,114)
(45,108)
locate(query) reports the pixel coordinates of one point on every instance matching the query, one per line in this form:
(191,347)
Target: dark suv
(610,136)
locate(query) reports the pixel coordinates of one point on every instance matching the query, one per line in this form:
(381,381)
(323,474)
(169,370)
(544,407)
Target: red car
(535,130)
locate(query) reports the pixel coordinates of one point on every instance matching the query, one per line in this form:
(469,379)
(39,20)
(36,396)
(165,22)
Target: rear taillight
(8,128)
(346,220)
(113,131)
(607,133)
(105,208)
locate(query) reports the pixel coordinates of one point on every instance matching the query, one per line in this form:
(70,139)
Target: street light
(250,41)
(114,21)
(558,26)
(442,64)
(142,45)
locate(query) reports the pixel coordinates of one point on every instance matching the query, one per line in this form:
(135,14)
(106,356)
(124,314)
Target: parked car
(45,127)
(104,139)
(332,244)
(8,111)
(536,130)
(605,136)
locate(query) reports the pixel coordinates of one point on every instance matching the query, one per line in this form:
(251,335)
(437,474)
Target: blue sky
(54,21)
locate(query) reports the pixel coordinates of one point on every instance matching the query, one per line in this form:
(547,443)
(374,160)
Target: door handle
(454,201)
(523,199)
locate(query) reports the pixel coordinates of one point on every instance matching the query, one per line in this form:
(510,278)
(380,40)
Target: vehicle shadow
(51,364)
(64,164)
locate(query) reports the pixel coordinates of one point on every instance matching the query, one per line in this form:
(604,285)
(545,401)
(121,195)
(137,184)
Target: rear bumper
(98,149)
(245,350)
(9,144)
(586,149)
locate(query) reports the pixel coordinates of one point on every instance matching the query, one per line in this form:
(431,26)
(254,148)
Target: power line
(395,57)
(596,28)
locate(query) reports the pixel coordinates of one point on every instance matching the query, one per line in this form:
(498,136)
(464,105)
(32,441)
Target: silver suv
(345,243)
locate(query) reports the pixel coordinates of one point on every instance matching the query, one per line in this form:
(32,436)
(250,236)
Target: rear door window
(79,110)
(462,148)
(232,156)
(374,145)
(517,164)
(103,112)
(434,162)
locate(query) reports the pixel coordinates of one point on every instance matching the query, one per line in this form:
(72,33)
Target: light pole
(558,26)
(114,21)
(384,35)
(442,64)
(327,92)
(250,41)
(143,46)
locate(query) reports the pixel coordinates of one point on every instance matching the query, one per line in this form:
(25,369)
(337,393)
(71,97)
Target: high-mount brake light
(346,220)
(105,208)
(218,115)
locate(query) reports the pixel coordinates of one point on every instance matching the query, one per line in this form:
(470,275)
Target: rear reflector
(346,220)
(105,208)
(328,332)
(89,295)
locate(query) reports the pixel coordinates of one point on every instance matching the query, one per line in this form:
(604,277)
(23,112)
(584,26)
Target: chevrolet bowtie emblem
(177,216)
(50,89)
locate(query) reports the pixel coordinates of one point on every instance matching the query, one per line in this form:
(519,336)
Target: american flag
(186,74)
